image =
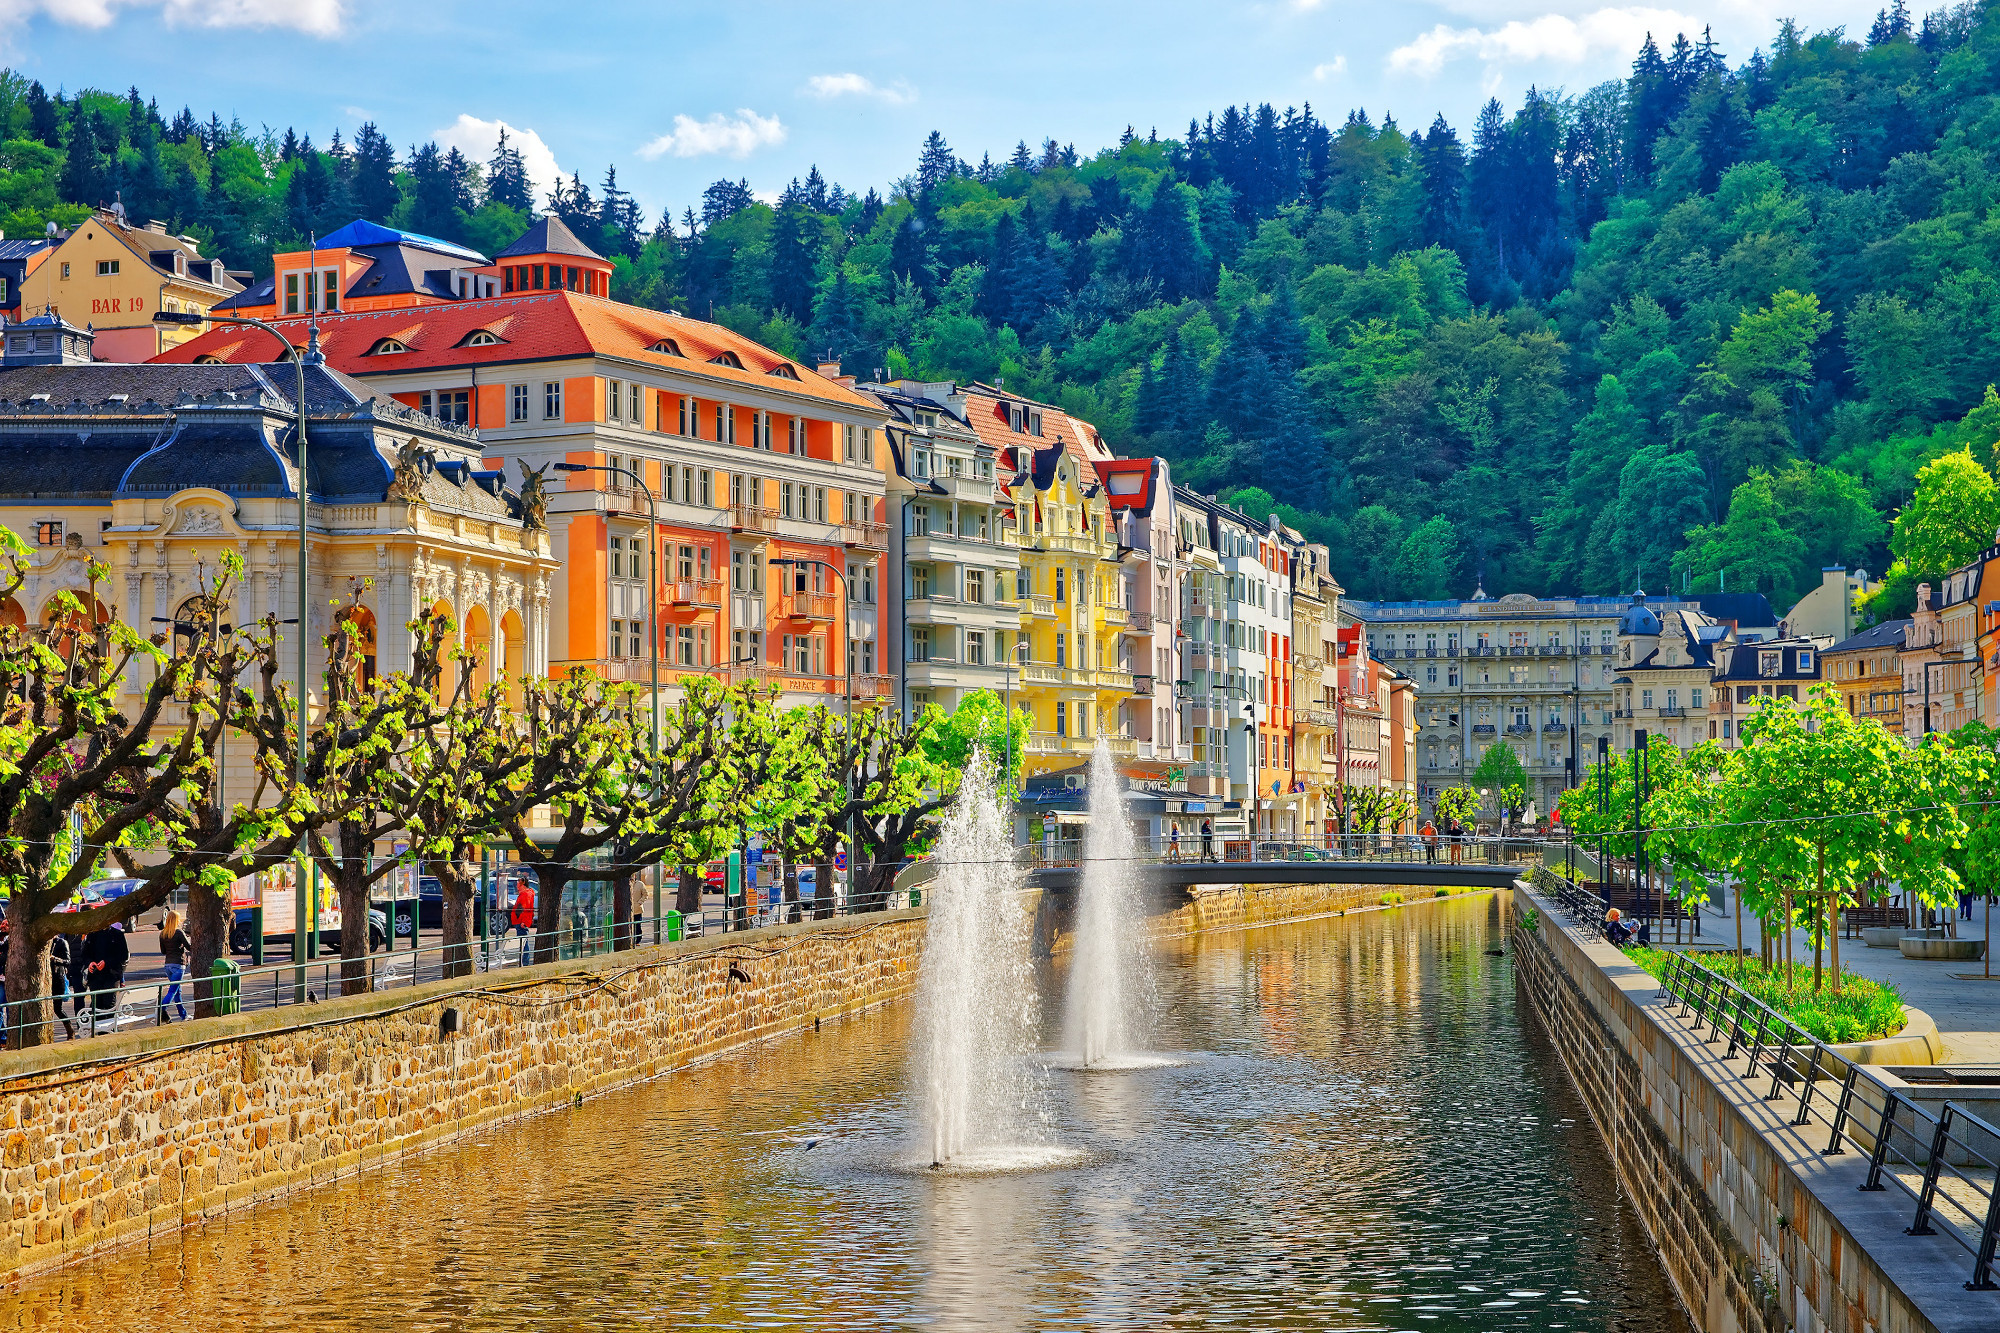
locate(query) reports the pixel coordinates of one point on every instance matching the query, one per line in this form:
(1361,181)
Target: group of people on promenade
(1452,835)
(87,974)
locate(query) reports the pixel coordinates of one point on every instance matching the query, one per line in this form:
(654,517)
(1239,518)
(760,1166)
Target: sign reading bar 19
(117,305)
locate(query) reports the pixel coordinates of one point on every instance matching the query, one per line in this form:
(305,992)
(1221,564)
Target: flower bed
(1863,1011)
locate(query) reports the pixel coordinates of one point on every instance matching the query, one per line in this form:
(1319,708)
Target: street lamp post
(847,700)
(299,360)
(652,625)
(1234,691)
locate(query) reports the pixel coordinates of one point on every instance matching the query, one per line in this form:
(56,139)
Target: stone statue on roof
(534,497)
(412,461)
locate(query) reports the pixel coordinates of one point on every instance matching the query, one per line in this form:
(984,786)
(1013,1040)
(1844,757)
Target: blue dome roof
(1639,618)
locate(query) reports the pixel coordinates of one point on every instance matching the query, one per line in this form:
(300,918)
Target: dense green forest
(1703,326)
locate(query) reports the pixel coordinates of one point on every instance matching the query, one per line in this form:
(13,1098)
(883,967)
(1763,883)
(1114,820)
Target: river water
(1360,1135)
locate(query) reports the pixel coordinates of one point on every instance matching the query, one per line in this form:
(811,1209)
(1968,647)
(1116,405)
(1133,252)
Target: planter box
(1883,937)
(1937,950)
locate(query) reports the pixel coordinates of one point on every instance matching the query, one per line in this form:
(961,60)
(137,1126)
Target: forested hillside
(1703,324)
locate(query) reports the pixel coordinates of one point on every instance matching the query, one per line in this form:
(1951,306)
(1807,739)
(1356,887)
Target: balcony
(1047,742)
(1139,622)
(1621,712)
(631,670)
(1521,729)
(694,595)
(1114,615)
(871,687)
(1482,729)
(1307,662)
(1555,724)
(807,606)
(1070,541)
(865,536)
(1120,681)
(961,487)
(1041,606)
(1315,717)
(1672,711)
(1041,673)
(754,519)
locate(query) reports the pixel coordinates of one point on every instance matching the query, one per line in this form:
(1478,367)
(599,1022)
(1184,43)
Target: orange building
(751,459)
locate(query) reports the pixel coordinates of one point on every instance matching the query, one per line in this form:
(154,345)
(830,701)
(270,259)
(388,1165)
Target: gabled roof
(549,237)
(1888,634)
(361,233)
(540,326)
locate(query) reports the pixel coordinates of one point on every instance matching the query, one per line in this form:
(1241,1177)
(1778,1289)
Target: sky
(677,95)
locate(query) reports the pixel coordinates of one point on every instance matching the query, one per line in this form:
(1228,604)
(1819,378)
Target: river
(1359,1135)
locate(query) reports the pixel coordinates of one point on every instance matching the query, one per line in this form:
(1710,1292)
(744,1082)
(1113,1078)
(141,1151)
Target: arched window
(783,371)
(667,347)
(481,338)
(388,347)
(726,359)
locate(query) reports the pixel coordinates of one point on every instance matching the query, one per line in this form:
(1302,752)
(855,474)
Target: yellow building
(1073,611)
(113,278)
(1867,670)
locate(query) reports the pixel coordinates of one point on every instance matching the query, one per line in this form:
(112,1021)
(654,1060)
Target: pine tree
(1441,166)
(1022,160)
(1650,98)
(1241,387)
(86,175)
(1487,182)
(724,199)
(935,163)
(1180,387)
(794,255)
(288,148)
(837,319)
(1164,245)
(375,192)
(995,299)
(507,177)
(1282,336)
(911,250)
(433,197)
(816,196)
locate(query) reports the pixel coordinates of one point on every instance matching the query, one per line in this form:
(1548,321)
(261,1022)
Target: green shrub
(1864,1009)
(1531,920)
(1390,899)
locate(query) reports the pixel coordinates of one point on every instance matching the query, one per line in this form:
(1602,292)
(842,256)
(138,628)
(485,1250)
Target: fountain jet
(1110,973)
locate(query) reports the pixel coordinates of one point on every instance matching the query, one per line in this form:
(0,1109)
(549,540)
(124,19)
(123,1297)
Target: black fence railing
(1944,1160)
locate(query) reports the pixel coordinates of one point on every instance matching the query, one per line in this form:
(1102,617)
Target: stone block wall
(1758,1231)
(156,1135)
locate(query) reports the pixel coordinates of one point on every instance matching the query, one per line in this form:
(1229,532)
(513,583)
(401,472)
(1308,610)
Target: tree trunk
(1819,915)
(880,880)
(791,910)
(822,890)
(351,885)
(1834,912)
(458,882)
(551,878)
(27,988)
(687,896)
(208,940)
(623,891)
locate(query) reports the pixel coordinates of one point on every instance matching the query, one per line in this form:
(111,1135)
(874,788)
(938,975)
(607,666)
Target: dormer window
(481,338)
(388,347)
(667,347)
(783,371)
(726,359)
(927,419)
(1805,662)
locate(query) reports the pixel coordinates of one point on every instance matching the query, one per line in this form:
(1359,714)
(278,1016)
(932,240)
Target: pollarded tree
(898,788)
(80,779)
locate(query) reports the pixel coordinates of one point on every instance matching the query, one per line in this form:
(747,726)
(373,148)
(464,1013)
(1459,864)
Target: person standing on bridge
(1429,834)
(1207,841)
(1174,844)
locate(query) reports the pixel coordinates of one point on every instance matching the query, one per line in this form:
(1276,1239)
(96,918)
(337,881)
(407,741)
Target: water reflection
(1359,1138)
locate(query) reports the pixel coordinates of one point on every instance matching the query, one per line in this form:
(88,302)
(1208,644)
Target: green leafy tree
(1952,517)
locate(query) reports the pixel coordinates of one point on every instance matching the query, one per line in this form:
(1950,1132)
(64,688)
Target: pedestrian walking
(521,917)
(1965,905)
(105,954)
(62,950)
(174,953)
(1207,841)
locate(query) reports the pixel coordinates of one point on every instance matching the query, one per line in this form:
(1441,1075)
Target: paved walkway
(1967,1013)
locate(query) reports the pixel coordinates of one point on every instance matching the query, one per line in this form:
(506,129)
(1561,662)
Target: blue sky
(679,94)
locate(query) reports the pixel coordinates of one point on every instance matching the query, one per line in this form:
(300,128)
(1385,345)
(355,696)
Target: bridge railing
(1406,848)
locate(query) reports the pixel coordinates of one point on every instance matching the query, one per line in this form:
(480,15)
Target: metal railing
(1945,1162)
(1402,848)
(78,1015)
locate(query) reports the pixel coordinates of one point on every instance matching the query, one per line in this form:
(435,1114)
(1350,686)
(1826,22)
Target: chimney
(830,369)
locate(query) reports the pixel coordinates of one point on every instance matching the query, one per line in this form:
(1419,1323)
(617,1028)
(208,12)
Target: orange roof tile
(986,410)
(541,326)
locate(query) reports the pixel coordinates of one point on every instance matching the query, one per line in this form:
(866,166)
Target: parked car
(239,933)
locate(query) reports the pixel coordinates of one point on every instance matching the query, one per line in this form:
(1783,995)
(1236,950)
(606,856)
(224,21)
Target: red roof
(540,326)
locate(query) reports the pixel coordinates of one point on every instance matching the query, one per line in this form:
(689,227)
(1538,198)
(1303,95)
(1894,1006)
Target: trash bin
(673,925)
(225,986)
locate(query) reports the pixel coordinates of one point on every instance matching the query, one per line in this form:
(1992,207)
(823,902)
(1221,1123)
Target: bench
(1857,919)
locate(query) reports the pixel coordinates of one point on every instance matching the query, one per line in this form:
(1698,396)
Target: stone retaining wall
(1758,1231)
(157,1136)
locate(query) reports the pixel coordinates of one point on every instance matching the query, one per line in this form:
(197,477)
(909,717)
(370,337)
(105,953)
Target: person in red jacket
(522,917)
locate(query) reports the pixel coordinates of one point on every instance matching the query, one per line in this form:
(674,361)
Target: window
(291,291)
(1673,698)
(1645,698)
(975,585)
(107,268)
(49,532)
(920,520)
(455,405)
(725,424)
(1060,573)
(1062,719)
(1767,664)
(518,402)
(65,271)
(552,401)
(920,643)
(1694,697)
(975,648)
(685,562)
(1022,584)
(819,504)
(847,449)
(684,646)
(1745,693)
(612,396)
(617,557)
(795,435)
(481,338)
(785,500)
(1805,661)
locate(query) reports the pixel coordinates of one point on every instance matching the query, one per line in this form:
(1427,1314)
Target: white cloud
(859,85)
(733,136)
(478,138)
(1332,68)
(319,18)
(1551,37)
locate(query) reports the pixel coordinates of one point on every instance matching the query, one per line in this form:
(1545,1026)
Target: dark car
(239,933)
